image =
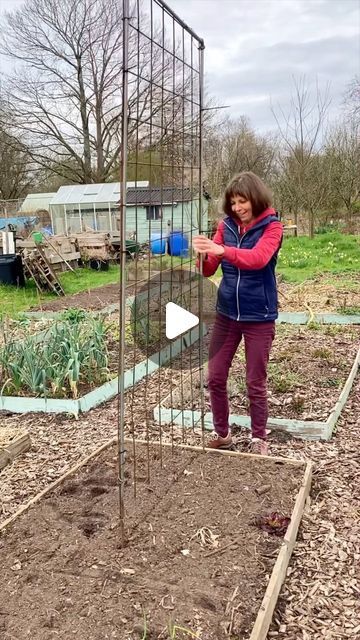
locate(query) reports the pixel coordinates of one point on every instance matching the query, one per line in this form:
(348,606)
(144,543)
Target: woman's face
(242,209)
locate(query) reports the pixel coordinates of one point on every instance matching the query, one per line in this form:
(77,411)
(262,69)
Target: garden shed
(155,210)
(149,209)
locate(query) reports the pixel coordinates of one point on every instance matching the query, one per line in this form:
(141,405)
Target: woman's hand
(202,244)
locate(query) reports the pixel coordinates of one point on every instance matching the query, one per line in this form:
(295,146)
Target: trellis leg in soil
(121,399)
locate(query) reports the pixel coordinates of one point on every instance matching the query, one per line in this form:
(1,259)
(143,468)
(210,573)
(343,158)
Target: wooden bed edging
(306,430)
(20,444)
(266,611)
(339,405)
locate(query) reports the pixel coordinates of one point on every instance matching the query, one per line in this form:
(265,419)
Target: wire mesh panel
(159,215)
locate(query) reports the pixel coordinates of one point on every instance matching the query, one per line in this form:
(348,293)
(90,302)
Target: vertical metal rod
(137,238)
(124,144)
(201,337)
(152,210)
(192,153)
(182,210)
(173,179)
(161,149)
(80,218)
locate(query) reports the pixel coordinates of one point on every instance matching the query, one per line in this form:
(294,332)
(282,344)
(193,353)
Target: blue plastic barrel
(157,244)
(178,244)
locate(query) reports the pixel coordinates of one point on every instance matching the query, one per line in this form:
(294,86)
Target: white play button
(178,320)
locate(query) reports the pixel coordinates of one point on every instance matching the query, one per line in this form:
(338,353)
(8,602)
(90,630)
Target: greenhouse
(149,210)
(76,208)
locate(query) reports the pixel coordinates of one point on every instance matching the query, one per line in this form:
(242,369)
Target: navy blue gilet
(247,295)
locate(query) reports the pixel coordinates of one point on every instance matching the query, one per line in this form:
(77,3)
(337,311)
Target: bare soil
(65,574)
(94,299)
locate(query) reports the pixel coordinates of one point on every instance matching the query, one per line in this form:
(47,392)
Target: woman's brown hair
(249,186)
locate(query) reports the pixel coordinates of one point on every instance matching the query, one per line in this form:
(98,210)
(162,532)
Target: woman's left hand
(202,244)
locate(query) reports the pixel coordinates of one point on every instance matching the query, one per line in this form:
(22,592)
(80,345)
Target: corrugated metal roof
(155,195)
(138,193)
(91,193)
(36,201)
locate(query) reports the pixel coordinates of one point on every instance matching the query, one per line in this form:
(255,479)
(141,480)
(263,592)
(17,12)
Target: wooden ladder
(40,270)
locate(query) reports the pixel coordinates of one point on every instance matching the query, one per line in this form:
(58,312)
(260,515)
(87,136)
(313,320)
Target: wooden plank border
(19,444)
(55,484)
(339,405)
(222,452)
(278,574)
(306,430)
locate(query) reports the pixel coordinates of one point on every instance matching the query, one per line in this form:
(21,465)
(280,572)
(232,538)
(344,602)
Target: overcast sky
(255,47)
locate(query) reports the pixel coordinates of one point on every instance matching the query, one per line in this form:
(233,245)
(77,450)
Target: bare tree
(352,99)
(300,160)
(66,92)
(343,153)
(232,147)
(16,174)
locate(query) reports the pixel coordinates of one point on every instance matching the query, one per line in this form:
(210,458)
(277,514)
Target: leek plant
(71,353)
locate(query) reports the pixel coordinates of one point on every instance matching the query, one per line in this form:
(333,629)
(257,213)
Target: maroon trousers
(225,339)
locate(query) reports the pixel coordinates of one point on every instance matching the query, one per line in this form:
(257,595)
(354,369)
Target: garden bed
(196,556)
(74,356)
(308,368)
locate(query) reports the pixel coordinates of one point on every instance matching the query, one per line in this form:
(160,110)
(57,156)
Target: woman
(246,245)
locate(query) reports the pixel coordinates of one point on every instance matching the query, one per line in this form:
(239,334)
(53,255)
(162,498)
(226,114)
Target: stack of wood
(94,245)
(61,252)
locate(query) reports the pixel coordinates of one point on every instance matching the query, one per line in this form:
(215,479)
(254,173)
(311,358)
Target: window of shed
(153,212)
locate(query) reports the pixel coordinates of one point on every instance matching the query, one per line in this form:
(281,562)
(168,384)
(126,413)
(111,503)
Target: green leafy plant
(349,311)
(69,354)
(283,380)
(74,315)
(322,353)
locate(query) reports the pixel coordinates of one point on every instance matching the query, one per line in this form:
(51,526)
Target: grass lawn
(15,301)
(300,259)
(304,258)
